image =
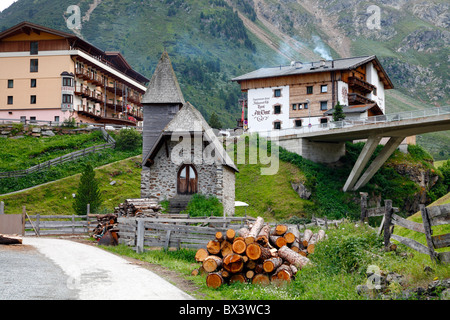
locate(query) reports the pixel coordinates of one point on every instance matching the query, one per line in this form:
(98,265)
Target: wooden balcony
(82,73)
(95,79)
(99,117)
(83,91)
(360,85)
(356,98)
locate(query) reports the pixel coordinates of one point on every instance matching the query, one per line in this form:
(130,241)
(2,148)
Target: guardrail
(416,114)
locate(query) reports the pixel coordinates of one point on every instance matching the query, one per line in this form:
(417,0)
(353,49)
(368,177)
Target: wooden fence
(65,158)
(42,225)
(174,232)
(431,216)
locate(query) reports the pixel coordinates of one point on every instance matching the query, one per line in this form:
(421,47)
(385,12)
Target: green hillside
(212,41)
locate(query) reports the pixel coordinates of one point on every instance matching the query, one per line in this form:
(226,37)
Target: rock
(36,130)
(445,295)
(393,277)
(48,133)
(301,190)
(112,182)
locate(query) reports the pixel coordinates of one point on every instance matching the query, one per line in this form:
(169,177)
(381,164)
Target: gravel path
(64,269)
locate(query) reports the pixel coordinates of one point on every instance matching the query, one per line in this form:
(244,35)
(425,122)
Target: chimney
(322,63)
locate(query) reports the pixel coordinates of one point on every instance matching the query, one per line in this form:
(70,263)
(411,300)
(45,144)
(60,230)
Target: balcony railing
(360,85)
(356,98)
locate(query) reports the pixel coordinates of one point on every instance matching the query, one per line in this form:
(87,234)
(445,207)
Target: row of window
(66,98)
(297,123)
(309,90)
(33,119)
(33,83)
(10,99)
(300,106)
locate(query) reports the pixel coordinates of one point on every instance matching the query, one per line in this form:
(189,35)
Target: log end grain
(214,280)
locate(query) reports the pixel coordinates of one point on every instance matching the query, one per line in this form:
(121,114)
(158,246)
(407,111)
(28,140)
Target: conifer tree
(88,192)
(338,113)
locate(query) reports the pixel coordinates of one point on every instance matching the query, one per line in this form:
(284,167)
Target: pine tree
(338,113)
(214,121)
(88,192)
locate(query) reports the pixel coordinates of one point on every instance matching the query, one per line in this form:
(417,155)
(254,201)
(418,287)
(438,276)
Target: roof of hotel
(298,68)
(114,58)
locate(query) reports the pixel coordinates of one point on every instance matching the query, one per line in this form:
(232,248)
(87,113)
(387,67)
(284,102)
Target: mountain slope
(212,41)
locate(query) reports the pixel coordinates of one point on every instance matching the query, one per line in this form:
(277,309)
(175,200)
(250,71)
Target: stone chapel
(181,154)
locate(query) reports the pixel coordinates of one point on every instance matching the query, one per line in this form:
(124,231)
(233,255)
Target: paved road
(63,269)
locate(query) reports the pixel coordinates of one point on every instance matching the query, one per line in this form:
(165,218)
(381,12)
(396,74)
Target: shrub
(88,192)
(201,205)
(128,139)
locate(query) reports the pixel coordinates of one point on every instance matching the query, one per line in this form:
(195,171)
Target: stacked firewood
(259,254)
(139,208)
(106,227)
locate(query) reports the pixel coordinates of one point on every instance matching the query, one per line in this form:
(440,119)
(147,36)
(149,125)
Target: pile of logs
(106,231)
(139,208)
(259,254)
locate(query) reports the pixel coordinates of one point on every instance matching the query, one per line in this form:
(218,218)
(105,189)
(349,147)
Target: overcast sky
(5,4)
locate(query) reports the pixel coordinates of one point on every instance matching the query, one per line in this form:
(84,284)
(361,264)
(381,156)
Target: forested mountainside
(212,41)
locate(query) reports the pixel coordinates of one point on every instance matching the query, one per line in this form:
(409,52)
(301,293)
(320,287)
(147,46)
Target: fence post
(140,236)
(387,222)
(24,217)
(73,224)
(2,207)
(38,222)
(428,231)
(363,205)
(88,209)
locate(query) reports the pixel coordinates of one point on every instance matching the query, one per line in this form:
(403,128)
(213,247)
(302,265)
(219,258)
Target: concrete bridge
(326,142)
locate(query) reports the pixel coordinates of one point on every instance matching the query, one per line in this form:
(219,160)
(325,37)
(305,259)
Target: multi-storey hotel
(50,75)
(304,94)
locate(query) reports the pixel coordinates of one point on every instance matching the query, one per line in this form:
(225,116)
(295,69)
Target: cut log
(283,272)
(261,279)
(251,264)
(10,239)
(219,236)
(278,241)
(293,257)
(265,253)
(312,244)
(226,248)
(306,236)
(263,236)
(297,245)
(230,234)
(255,229)
(253,251)
(243,232)
(239,277)
(292,234)
(259,268)
(201,255)
(321,235)
(233,263)
(212,263)
(272,264)
(280,229)
(214,280)
(239,246)
(213,247)
(250,274)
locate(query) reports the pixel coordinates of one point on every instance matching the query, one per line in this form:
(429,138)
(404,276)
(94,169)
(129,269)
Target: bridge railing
(358,122)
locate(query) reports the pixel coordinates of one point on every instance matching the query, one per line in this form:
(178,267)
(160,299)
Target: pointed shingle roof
(189,120)
(163,87)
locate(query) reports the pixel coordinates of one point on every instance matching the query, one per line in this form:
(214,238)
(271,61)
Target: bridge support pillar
(361,162)
(376,164)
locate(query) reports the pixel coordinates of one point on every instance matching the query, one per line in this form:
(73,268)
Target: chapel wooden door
(187,181)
